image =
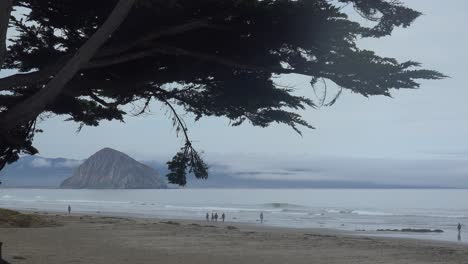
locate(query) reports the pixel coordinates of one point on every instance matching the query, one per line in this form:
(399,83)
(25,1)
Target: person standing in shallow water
(69,209)
(216,217)
(261,217)
(207,217)
(459,231)
(223,216)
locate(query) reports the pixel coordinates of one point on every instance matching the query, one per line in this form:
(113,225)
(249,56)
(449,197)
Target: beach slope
(99,239)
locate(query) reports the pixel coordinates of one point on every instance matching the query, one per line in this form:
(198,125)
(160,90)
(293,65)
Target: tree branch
(5,12)
(33,78)
(180,123)
(105,57)
(169,50)
(118,59)
(165,32)
(143,109)
(100,100)
(35,104)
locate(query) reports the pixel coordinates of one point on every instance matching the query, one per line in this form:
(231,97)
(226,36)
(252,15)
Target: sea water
(363,210)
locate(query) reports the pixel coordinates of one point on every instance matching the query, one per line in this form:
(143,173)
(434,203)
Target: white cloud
(281,176)
(411,172)
(68,164)
(41,163)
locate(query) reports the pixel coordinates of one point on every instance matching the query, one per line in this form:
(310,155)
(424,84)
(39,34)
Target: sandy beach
(101,239)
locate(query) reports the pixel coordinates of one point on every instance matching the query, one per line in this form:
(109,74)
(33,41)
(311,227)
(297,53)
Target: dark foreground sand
(114,240)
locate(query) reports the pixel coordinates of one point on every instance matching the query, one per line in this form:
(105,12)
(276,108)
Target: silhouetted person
(2,261)
(223,216)
(216,217)
(69,209)
(261,217)
(459,231)
(207,217)
(212,217)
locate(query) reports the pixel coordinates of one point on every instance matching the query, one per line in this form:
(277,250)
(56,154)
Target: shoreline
(87,238)
(369,233)
(344,211)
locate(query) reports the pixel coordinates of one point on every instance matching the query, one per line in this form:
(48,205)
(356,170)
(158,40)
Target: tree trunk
(5,11)
(30,108)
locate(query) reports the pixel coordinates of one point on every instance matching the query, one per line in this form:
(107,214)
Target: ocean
(342,209)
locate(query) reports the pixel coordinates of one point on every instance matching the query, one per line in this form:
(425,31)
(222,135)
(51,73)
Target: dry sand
(115,240)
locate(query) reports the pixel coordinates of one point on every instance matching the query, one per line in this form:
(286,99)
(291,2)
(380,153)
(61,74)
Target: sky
(424,126)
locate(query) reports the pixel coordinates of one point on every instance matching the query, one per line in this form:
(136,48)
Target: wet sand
(115,240)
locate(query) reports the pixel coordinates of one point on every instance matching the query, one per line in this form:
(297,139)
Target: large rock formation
(111,169)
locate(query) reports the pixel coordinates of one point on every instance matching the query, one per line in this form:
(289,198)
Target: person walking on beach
(69,209)
(459,231)
(212,217)
(207,217)
(261,217)
(223,216)
(216,217)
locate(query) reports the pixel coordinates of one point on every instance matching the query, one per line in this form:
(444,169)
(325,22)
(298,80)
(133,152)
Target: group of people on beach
(214,217)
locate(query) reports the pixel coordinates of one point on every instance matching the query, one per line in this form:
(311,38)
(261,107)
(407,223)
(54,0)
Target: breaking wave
(283,206)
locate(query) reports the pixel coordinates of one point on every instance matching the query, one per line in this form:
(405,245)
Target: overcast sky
(425,124)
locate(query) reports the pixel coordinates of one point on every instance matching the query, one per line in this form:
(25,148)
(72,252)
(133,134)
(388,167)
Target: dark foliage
(211,57)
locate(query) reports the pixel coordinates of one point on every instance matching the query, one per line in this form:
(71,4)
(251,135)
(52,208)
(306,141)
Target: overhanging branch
(169,50)
(179,121)
(156,35)
(106,57)
(34,105)
(5,12)
(174,51)
(33,78)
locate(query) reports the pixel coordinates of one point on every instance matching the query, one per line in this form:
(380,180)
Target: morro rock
(112,169)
